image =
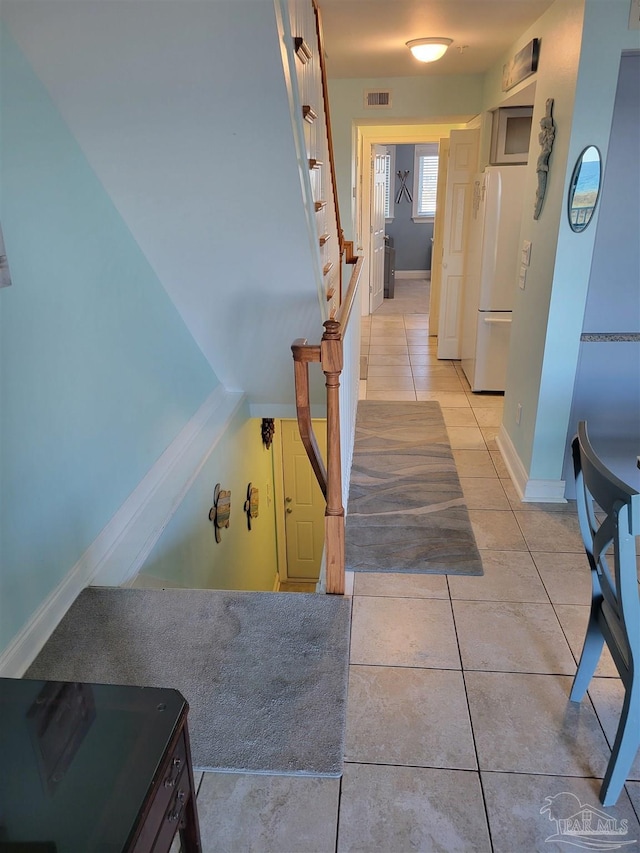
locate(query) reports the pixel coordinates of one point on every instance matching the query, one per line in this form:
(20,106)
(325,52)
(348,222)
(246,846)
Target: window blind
(426,164)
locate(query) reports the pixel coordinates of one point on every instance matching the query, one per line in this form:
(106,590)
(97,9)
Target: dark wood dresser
(94,767)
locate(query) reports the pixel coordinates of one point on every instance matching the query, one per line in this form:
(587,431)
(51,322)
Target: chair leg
(625,746)
(591,651)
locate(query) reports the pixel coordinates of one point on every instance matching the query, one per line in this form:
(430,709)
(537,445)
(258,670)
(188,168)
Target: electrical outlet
(518,413)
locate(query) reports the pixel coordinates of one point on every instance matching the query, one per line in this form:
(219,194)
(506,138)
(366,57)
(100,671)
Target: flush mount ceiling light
(428,50)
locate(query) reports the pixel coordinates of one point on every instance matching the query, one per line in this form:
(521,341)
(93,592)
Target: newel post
(331,358)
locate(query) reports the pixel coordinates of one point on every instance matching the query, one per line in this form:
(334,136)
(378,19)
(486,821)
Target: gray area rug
(265,674)
(406,511)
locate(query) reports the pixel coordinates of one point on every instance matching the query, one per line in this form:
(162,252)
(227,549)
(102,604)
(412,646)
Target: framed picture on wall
(523,65)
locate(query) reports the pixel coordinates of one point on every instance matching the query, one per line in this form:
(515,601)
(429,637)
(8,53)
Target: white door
(436,252)
(463,158)
(376,266)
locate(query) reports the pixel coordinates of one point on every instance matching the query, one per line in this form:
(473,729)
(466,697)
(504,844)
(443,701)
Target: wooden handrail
(349,256)
(303,354)
(344,312)
(330,355)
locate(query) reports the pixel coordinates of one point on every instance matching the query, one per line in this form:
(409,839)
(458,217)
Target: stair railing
(329,354)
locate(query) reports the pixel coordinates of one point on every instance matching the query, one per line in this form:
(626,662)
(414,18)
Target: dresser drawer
(164,802)
(174,815)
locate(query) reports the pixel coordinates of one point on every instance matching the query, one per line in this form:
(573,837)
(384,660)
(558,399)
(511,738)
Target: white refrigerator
(491,275)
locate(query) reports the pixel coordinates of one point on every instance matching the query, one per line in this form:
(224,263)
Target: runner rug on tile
(406,511)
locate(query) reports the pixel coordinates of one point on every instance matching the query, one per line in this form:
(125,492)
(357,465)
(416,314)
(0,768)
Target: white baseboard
(529,491)
(413,274)
(120,549)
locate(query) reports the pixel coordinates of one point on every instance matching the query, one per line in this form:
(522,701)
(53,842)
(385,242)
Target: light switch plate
(526,253)
(522,278)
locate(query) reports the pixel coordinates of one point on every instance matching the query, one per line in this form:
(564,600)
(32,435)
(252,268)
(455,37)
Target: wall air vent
(375,99)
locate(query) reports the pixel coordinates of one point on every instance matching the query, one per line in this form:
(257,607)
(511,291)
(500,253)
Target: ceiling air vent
(375,99)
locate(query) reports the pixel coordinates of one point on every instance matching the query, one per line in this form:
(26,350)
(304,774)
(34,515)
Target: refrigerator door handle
(497,319)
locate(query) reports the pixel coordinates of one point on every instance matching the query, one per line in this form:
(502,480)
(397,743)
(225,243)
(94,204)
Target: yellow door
(304,504)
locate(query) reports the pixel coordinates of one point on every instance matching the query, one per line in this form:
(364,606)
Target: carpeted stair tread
(265,674)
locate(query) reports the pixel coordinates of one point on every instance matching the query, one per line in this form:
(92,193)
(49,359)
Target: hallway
(458,724)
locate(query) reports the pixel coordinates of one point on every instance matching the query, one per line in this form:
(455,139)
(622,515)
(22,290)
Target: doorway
(367,138)
(300,504)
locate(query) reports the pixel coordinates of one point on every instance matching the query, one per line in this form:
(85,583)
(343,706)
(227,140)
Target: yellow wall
(187,554)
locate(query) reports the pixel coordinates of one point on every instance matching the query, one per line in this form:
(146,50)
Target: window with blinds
(425,181)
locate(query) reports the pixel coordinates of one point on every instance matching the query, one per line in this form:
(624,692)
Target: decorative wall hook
(267,429)
(251,504)
(221,510)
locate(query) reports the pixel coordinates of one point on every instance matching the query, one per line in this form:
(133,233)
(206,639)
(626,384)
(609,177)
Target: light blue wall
(613,300)
(411,240)
(98,372)
(169,102)
(607,388)
(582,41)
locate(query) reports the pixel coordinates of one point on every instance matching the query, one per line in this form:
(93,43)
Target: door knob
(287,500)
(289,510)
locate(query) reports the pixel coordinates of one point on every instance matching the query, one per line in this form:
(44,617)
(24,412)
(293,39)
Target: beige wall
(448,99)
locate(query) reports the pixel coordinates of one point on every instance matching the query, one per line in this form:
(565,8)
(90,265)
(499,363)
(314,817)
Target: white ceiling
(367,38)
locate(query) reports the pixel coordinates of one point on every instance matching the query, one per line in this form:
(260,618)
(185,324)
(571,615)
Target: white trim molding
(529,491)
(413,274)
(120,549)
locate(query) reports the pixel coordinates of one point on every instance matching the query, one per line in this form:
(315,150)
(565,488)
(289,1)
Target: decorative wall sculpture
(545,138)
(251,505)
(267,429)
(221,510)
(5,275)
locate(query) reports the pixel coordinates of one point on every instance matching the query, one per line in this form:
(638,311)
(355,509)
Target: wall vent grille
(376,99)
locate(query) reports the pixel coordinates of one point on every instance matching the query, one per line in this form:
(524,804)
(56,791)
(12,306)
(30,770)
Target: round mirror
(585,188)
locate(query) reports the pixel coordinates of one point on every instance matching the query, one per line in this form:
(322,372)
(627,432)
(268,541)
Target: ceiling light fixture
(428,50)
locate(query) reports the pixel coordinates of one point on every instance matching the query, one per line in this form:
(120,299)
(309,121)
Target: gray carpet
(406,511)
(265,674)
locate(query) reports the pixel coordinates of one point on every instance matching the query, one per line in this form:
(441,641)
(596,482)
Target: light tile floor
(460,735)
